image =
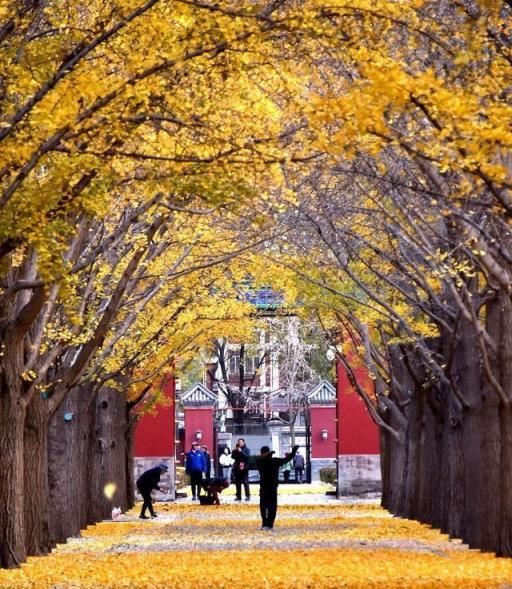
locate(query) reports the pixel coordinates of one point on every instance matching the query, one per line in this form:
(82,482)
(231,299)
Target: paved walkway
(318,543)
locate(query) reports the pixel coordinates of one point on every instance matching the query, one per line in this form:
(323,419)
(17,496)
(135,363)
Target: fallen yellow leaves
(324,547)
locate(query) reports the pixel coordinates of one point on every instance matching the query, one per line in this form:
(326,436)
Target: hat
(163,466)
(264,449)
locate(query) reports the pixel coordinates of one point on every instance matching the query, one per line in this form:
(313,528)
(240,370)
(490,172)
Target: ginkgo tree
(404,242)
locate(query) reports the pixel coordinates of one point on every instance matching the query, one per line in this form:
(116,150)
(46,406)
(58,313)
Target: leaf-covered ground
(327,545)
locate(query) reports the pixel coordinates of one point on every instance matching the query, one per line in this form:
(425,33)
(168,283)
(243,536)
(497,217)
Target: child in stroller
(213,487)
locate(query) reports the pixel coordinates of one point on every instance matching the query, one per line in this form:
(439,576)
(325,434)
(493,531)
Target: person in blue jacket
(195,467)
(148,481)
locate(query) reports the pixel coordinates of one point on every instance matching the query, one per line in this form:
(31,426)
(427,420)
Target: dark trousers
(298,474)
(242,478)
(196,482)
(148,501)
(268,506)
(286,475)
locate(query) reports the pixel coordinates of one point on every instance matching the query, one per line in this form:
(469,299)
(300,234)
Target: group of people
(235,465)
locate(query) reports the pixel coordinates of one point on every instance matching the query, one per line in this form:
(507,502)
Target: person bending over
(148,481)
(269,481)
(213,488)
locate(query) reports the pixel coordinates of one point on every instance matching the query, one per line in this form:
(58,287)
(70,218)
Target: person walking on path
(148,481)
(269,481)
(241,454)
(207,461)
(298,465)
(287,468)
(195,467)
(226,463)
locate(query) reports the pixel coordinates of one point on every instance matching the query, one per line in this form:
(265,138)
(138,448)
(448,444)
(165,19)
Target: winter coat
(225,460)
(149,480)
(241,459)
(207,463)
(298,461)
(195,462)
(269,470)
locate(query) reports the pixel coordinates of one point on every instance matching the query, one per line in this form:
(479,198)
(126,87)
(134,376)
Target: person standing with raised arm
(269,481)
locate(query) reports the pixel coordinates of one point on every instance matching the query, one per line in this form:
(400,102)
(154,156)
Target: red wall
(323,418)
(357,433)
(154,434)
(200,418)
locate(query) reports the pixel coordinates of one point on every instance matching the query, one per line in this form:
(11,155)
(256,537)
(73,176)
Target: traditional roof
(323,394)
(198,396)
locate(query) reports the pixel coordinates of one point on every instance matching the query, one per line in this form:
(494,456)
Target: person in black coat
(269,481)
(240,455)
(148,481)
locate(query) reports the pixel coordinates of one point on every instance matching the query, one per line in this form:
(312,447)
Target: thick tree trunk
(12,527)
(428,506)
(504,368)
(37,530)
(130,423)
(68,466)
(412,474)
(452,516)
(482,449)
(108,455)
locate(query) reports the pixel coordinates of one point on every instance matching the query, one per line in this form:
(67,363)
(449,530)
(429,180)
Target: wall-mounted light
(69,416)
(331,353)
(324,434)
(199,434)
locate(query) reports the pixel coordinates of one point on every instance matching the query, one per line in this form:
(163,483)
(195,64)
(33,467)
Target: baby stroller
(213,487)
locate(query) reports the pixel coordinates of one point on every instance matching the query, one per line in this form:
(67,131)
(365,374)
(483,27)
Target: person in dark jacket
(240,455)
(299,464)
(195,467)
(269,481)
(213,488)
(207,461)
(148,481)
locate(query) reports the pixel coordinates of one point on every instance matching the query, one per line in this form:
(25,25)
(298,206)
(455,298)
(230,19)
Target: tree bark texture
(108,455)
(12,525)
(452,469)
(36,497)
(68,443)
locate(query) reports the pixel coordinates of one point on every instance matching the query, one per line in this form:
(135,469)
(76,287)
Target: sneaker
(194,498)
(238,499)
(143,517)
(247,498)
(154,515)
(265,528)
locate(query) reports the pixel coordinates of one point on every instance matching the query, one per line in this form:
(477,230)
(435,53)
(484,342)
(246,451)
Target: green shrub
(328,475)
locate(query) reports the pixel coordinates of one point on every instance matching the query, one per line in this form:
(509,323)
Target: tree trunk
(108,455)
(12,527)
(37,530)
(504,547)
(130,424)
(482,448)
(68,445)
